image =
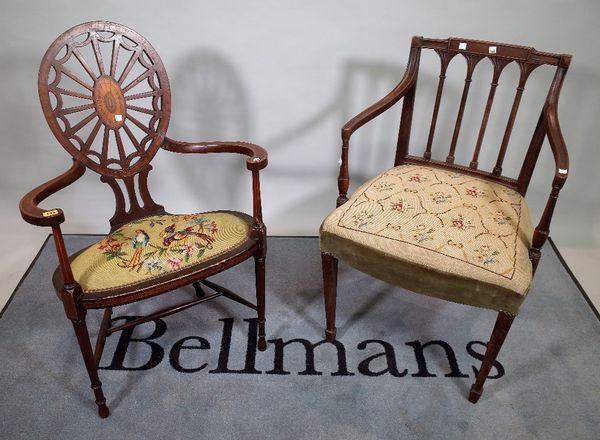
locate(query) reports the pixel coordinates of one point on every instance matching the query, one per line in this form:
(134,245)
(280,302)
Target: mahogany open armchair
(106,97)
(450,231)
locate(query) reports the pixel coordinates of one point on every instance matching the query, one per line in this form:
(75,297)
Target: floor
(203,376)
(25,242)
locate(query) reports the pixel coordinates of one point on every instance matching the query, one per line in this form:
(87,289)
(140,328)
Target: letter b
(157,352)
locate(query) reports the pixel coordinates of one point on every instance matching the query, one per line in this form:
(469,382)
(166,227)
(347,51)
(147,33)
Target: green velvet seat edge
(420,279)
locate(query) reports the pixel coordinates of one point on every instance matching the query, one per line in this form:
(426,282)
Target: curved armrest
(256,162)
(558,146)
(404,87)
(257,155)
(408,80)
(28,206)
(557,143)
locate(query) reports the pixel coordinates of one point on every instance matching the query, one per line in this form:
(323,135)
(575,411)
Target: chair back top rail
(493,49)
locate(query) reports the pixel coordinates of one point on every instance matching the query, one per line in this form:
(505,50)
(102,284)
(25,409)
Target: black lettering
(422,363)
(174,355)
(390,356)
(309,350)
(250,364)
(497,365)
(157,352)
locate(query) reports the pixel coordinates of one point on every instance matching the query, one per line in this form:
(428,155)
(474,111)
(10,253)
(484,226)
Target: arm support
(28,206)
(561,159)
(404,88)
(257,155)
(407,82)
(558,146)
(257,161)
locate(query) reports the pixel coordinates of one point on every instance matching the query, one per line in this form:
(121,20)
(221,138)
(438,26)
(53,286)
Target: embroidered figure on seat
(170,235)
(138,242)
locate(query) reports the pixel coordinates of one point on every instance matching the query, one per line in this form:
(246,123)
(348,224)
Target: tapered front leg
(85,345)
(330,268)
(259,266)
(503,323)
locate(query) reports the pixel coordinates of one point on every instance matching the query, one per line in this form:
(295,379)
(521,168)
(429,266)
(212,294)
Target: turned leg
(259,267)
(102,334)
(85,345)
(503,323)
(330,266)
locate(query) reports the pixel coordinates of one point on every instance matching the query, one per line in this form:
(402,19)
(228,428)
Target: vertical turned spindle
(472,61)
(499,65)
(526,69)
(445,58)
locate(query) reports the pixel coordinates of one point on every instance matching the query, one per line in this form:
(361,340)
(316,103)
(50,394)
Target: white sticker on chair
(118,118)
(340,161)
(492,49)
(462,46)
(562,171)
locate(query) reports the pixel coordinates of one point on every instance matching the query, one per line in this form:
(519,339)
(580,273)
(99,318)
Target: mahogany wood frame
(133,177)
(500,54)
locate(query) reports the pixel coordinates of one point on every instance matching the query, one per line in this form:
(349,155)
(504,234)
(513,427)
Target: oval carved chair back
(106,97)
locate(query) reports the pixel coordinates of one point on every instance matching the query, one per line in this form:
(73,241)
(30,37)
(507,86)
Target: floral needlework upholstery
(157,246)
(437,232)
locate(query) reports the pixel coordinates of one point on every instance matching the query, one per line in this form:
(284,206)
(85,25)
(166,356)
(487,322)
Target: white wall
(286,75)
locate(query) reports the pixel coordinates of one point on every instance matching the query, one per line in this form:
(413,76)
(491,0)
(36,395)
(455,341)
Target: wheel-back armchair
(455,232)
(106,97)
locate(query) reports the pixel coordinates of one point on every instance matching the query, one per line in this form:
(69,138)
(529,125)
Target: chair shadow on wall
(361,83)
(210,104)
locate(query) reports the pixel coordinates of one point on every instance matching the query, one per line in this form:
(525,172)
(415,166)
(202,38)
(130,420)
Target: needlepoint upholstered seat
(437,232)
(106,97)
(157,249)
(448,230)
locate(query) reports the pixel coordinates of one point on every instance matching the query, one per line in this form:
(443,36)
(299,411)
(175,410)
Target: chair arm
(561,159)
(257,155)
(257,161)
(403,87)
(558,146)
(28,206)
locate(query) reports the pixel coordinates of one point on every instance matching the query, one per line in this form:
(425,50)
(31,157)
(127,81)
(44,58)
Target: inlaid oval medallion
(110,102)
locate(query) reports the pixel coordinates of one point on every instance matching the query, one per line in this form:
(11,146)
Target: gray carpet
(382,383)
